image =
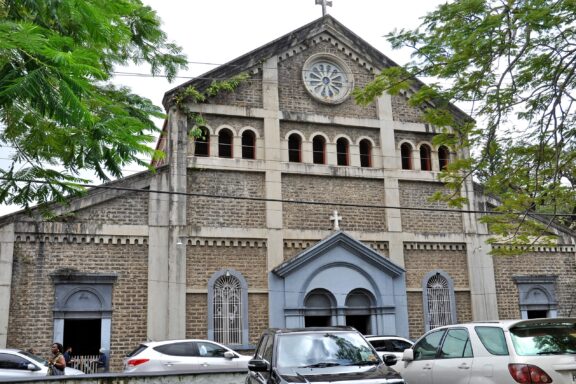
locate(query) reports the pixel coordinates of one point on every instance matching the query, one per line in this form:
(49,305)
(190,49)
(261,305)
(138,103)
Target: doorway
(317,321)
(83,335)
(537,314)
(360,322)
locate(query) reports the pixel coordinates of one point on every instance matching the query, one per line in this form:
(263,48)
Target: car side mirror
(229,355)
(258,365)
(408,355)
(390,360)
(32,367)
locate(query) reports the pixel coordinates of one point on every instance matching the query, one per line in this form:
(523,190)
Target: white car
(390,345)
(184,355)
(15,363)
(499,352)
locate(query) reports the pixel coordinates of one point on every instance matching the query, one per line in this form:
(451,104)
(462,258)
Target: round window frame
(341,65)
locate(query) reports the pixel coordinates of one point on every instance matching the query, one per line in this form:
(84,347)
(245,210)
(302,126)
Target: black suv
(319,355)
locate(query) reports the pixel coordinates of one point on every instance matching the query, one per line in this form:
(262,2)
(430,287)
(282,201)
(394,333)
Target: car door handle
(427,367)
(463,366)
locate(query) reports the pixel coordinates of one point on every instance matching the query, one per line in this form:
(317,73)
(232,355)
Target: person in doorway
(56,364)
(102,362)
(68,356)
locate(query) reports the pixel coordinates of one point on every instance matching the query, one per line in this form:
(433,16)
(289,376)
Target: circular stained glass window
(327,78)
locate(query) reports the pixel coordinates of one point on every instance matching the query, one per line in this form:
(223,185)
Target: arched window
(439,300)
(294,148)
(406,154)
(227,312)
(425,158)
(365,153)
(202,143)
(225,143)
(248,145)
(319,150)
(443,157)
(342,151)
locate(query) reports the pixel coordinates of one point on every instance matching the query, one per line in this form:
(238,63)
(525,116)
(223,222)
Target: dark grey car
(319,355)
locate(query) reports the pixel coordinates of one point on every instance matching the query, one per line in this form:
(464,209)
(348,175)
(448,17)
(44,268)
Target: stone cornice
(222,242)
(538,248)
(80,239)
(435,246)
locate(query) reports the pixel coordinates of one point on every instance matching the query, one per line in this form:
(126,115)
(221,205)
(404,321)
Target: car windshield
(326,349)
(544,339)
(33,357)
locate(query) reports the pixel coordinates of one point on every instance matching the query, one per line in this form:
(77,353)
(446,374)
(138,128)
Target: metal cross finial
(324,4)
(336,219)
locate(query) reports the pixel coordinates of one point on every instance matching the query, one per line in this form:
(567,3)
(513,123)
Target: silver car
(499,352)
(184,355)
(15,363)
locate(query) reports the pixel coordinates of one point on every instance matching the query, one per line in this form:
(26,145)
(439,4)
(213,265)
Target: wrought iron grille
(227,310)
(439,310)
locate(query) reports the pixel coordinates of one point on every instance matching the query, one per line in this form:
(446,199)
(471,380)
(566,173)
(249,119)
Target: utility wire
(304,202)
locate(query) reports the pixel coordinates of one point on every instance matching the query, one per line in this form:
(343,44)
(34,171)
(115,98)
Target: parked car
(318,355)
(15,363)
(183,355)
(499,352)
(386,345)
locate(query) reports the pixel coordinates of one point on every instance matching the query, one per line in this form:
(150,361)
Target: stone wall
(562,265)
(222,212)
(128,209)
(32,296)
(419,262)
(402,111)
(416,194)
(333,189)
(248,94)
(202,261)
(294,97)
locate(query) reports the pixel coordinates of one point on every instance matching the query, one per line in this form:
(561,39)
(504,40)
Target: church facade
(296,207)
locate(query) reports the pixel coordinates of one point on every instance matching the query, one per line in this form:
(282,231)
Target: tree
(513,64)
(59,113)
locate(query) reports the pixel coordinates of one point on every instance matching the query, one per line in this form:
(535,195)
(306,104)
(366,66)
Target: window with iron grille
(228,310)
(439,300)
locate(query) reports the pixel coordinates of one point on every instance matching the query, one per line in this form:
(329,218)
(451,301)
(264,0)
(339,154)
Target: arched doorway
(319,306)
(358,310)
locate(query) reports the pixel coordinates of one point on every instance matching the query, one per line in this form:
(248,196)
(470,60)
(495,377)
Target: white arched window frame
(439,300)
(228,308)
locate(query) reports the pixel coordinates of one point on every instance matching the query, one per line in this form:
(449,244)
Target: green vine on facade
(190,93)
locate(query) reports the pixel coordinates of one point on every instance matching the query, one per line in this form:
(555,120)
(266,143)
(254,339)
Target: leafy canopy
(59,112)
(513,62)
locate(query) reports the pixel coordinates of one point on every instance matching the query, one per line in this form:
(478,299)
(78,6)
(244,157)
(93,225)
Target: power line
(286,201)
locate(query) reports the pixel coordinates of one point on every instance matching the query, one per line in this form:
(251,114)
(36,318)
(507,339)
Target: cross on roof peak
(324,4)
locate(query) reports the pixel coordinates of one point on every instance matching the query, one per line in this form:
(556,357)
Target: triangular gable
(286,45)
(338,239)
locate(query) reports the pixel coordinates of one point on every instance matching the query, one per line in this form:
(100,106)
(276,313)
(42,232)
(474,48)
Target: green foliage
(58,109)
(512,64)
(191,94)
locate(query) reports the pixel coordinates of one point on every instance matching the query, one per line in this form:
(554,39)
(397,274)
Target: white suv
(499,352)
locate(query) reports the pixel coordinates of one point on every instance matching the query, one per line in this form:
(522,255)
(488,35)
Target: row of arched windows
(319,150)
(226,144)
(225,149)
(407,151)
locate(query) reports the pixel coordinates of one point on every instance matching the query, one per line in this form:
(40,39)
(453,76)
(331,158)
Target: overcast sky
(213,32)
